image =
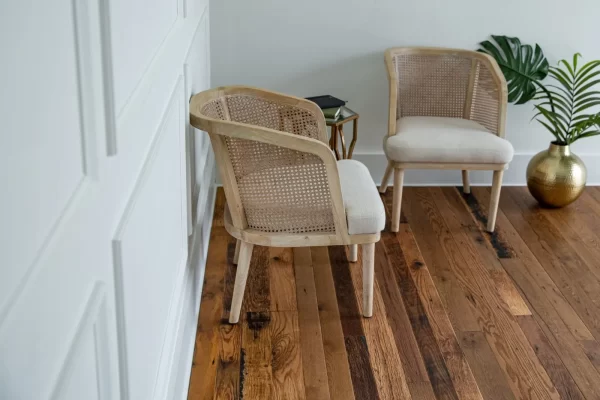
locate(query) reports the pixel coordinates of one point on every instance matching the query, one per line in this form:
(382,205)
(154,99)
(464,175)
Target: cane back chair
(283,185)
(447,110)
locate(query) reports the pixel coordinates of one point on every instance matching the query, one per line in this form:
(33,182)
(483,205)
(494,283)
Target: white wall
(107,197)
(314,47)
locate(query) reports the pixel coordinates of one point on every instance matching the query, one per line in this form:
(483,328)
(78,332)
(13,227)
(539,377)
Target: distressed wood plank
(363,381)
(570,221)
(257,296)
(488,373)
(387,366)
(336,356)
(563,264)
(344,289)
(256,374)
(311,340)
(228,281)
(527,377)
(288,377)
(454,296)
(428,347)
(509,293)
(227,382)
(592,350)
(496,240)
(538,287)
(398,319)
(562,379)
(469,217)
(462,378)
(459,219)
(421,390)
(282,280)
(206,352)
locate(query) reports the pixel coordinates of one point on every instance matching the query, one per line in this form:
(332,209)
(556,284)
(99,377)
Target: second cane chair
(447,110)
(283,185)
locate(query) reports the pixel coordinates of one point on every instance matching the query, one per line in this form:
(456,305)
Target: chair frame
(400,167)
(234,217)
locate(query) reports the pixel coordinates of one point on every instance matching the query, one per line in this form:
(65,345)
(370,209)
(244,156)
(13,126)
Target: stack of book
(332,113)
(331,106)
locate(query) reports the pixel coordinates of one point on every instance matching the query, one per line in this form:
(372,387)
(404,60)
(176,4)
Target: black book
(327,101)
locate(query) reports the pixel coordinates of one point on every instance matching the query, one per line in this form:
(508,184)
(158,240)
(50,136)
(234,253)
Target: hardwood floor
(458,313)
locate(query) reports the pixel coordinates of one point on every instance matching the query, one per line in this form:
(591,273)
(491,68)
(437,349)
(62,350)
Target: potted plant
(555,177)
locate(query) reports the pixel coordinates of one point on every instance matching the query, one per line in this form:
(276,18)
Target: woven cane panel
(432,85)
(267,114)
(213,109)
(485,106)
(281,190)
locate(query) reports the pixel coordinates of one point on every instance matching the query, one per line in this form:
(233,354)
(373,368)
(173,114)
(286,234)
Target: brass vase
(556,177)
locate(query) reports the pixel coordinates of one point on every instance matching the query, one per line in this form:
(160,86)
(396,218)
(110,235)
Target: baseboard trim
(513,176)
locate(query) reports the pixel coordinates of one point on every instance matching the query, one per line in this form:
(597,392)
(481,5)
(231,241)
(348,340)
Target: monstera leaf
(522,66)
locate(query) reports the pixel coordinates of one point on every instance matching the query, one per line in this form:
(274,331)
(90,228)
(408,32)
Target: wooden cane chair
(447,110)
(283,185)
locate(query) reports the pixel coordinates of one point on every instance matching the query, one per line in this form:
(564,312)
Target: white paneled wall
(107,197)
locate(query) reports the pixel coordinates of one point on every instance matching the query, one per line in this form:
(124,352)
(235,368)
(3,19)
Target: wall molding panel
(165,245)
(190,306)
(110,117)
(99,298)
(91,123)
(148,101)
(135,51)
(93,322)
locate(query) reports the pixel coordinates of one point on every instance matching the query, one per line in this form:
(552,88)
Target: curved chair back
(278,174)
(435,82)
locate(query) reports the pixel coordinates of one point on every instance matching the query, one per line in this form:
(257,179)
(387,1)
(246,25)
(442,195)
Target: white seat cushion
(364,209)
(446,140)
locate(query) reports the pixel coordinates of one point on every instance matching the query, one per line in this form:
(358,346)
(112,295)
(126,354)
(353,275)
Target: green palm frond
(522,66)
(567,107)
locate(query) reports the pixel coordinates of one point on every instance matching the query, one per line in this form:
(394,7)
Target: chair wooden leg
(466,184)
(398,184)
(386,178)
(368,278)
(353,253)
(494,199)
(236,254)
(240,281)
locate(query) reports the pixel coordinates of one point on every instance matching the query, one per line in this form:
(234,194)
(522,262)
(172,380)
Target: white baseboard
(514,176)
(177,381)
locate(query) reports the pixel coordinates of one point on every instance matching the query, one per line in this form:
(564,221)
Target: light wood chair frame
(399,167)
(234,217)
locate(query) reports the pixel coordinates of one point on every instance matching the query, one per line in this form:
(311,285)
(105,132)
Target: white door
(97,289)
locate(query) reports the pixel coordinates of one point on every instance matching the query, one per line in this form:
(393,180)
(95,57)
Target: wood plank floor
(458,313)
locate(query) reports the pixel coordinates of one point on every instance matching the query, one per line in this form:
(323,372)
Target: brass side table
(337,132)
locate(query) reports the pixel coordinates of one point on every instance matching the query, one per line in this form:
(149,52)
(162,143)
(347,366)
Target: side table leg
(331,138)
(343,140)
(334,141)
(354,138)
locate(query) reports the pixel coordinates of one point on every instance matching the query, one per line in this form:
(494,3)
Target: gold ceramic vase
(556,177)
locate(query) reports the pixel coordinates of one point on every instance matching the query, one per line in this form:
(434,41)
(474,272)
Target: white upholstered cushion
(446,140)
(364,209)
